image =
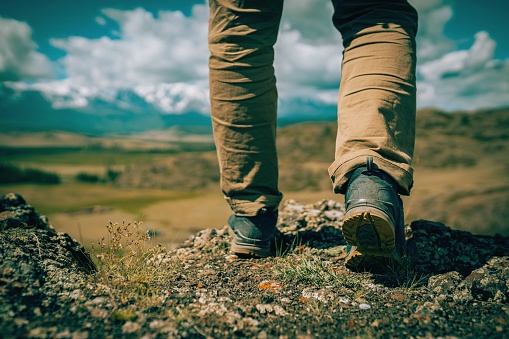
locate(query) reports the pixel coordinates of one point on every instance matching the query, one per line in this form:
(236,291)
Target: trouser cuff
(341,170)
(249,206)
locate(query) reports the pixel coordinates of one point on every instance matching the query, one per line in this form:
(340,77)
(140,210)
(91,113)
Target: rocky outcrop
(454,284)
(41,270)
(436,248)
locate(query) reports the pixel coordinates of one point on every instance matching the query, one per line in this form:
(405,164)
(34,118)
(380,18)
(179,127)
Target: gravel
(453,285)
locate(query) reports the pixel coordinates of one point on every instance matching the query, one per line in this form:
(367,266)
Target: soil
(453,284)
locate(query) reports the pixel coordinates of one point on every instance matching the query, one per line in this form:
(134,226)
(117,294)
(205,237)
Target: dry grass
(468,198)
(150,140)
(131,270)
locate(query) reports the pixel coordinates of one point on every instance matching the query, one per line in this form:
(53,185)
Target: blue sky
(74,51)
(61,18)
(470,17)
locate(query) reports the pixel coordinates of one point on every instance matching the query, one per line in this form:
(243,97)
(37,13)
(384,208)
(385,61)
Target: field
(169,180)
(83,209)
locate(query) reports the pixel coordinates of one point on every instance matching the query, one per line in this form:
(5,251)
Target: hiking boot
(252,236)
(373,226)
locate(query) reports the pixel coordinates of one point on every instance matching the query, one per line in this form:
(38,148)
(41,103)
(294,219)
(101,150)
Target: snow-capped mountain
(93,110)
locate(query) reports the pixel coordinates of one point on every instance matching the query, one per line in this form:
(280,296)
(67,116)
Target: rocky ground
(452,283)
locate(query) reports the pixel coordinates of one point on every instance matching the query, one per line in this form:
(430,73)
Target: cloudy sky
(74,51)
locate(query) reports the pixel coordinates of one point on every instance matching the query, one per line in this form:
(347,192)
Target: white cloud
(167,49)
(312,19)
(176,98)
(456,79)
(165,58)
(64,93)
(305,70)
(308,55)
(466,79)
(476,58)
(484,89)
(19,58)
(161,59)
(451,62)
(482,51)
(100,20)
(433,16)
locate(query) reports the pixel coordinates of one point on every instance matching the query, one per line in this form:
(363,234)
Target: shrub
(87,177)
(10,174)
(112,175)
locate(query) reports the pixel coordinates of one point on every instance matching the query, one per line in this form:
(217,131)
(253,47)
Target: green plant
(87,177)
(319,311)
(307,268)
(124,314)
(285,247)
(112,175)
(404,274)
(134,272)
(10,174)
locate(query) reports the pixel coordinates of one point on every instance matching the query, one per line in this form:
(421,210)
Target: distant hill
(443,139)
(461,167)
(461,158)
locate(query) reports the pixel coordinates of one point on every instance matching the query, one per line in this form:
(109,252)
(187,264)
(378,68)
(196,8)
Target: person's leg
(243,100)
(376,106)
(376,124)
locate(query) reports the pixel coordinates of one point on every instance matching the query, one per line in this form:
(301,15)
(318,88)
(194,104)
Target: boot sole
(370,230)
(246,249)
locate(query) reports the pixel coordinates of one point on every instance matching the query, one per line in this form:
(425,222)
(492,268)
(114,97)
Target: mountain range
(124,112)
(95,113)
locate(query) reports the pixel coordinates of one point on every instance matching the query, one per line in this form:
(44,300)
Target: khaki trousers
(376,106)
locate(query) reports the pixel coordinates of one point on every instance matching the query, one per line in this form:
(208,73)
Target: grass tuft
(134,272)
(123,315)
(403,273)
(308,268)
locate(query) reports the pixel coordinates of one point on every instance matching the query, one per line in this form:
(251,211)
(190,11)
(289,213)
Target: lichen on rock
(40,269)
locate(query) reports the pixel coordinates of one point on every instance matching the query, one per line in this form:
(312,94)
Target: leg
(376,121)
(243,100)
(376,107)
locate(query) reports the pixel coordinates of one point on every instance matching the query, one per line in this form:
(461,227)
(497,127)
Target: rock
(269,308)
(15,213)
(490,282)
(435,248)
(487,283)
(39,268)
(317,225)
(324,295)
(130,327)
(204,237)
(11,200)
(445,284)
